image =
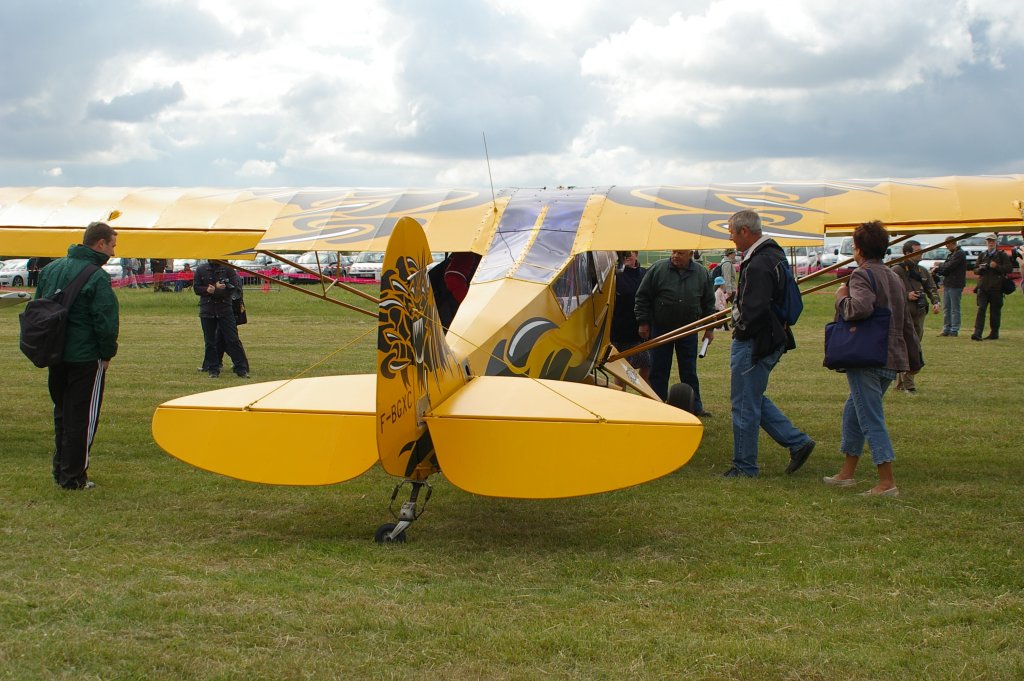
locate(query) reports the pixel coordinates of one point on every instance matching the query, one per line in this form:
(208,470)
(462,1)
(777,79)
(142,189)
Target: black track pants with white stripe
(76,389)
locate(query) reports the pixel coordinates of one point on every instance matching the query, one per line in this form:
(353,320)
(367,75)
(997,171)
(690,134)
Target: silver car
(14,272)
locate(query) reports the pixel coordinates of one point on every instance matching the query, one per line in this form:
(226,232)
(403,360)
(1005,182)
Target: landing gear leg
(394,533)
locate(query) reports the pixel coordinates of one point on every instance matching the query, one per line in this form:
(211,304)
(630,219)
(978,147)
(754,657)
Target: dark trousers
(686,357)
(218,352)
(225,328)
(993,301)
(76,389)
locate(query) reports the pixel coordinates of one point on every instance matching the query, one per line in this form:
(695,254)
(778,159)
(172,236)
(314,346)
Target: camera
(227,282)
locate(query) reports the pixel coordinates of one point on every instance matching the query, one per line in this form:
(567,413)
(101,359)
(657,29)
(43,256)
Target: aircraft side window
(604,261)
(576,283)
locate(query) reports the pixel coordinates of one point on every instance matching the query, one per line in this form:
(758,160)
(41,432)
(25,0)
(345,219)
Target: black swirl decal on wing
(345,216)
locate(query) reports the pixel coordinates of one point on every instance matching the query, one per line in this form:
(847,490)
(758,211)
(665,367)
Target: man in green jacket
(76,384)
(675,292)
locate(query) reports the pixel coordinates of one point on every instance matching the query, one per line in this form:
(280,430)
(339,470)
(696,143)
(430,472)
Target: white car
(367,264)
(318,261)
(972,248)
(14,272)
(804,259)
(830,254)
(933,258)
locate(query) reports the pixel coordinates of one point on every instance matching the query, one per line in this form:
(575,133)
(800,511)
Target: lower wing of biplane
(422,413)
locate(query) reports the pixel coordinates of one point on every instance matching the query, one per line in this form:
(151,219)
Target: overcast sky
(577,92)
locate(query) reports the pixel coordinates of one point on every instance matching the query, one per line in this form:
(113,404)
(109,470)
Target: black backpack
(44,321)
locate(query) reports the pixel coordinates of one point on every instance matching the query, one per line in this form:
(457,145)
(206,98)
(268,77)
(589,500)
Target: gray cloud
(464,67)
(137,106)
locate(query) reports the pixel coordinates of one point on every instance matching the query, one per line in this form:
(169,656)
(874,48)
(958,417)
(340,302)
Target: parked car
(367,265)
(972,248)
(844,252)
(340,268)
(113,268)
(932,259)
(803,259)
(14,272)
(318,261)
(830,253)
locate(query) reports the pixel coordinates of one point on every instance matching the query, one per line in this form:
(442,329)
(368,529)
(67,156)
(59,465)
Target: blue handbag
(860,343)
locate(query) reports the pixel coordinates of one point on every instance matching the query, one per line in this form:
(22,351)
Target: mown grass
(165,571)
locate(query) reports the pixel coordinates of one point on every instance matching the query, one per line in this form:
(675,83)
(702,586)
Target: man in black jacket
(992,267)
(759,339)
(215,284)
(953,271)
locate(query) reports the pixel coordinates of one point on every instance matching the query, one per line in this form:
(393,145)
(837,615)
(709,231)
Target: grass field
(167,572)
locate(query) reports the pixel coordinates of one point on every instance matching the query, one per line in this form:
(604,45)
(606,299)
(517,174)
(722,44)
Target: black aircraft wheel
(680,396)
(381,535)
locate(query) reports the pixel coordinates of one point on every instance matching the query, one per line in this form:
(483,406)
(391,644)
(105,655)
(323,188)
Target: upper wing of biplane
(210,223)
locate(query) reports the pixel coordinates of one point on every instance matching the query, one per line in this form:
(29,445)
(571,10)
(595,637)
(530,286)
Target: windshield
(374,257)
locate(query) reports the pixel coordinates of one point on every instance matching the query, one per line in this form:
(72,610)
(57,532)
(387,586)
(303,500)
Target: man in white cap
(992,267)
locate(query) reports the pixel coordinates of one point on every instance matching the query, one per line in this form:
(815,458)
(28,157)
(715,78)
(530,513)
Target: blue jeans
(862,414)
(951,309)
(751,410)
(686,357)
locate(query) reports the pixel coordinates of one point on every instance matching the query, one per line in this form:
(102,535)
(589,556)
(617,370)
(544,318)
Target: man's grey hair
(748,219)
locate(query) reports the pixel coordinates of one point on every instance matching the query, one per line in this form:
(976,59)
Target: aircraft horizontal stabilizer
(541,439)
(310,431)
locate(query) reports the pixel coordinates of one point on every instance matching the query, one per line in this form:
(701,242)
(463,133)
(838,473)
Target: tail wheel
(382,535)
(680,396)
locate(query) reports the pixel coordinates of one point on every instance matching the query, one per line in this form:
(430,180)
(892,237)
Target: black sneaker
(214,374)
(799,457)
(705,414)
(88,484)
(735,473)
(242,374)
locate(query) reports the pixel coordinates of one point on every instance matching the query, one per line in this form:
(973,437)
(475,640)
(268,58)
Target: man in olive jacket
(675,292)
(921,289)
(76,384)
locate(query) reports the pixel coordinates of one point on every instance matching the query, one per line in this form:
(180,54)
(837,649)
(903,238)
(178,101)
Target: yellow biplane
(510,397)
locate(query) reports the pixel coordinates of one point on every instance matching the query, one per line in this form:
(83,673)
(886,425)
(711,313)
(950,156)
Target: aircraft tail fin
(416,369)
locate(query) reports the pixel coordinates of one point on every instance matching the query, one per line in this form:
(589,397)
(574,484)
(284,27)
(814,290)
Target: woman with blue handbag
(875,294)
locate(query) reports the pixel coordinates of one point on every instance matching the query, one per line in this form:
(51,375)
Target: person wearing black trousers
(215,284)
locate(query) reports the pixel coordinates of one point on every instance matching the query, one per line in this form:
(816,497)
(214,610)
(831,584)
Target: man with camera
(920,288)
(216,284)
(993,268)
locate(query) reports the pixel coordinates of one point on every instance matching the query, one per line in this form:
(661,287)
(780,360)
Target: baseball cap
(993,236)
(719,281)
